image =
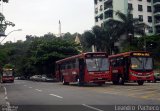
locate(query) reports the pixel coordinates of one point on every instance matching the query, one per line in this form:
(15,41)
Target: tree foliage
(37,55)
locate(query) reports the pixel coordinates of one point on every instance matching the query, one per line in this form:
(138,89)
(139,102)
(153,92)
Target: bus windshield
(7,73)
(97,64)
(141,63)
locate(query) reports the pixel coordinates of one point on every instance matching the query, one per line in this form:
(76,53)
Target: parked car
(36,78)
(156,77)
(47,79)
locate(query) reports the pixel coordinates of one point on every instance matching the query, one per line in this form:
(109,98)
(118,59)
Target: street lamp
(10,33)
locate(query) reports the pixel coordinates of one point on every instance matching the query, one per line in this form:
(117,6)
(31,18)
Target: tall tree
(93,38)
(127,27)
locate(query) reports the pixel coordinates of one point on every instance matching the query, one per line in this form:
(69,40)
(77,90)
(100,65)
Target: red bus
(84,68)
(131,66)
(7,75)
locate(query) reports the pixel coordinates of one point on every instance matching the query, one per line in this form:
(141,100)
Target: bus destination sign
(141,54)
(96,55)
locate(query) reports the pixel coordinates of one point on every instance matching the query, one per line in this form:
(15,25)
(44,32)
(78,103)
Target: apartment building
(148,11)
(156,16)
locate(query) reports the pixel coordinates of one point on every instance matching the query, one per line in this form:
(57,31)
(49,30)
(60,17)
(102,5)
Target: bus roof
(78,56)
(127,54)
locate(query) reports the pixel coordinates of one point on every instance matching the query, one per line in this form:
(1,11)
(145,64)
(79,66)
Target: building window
(100,0)
(149,1)
(96,10)
(101,17)
(95,2)
(139,0)
(96,19)
(149,18)
(108,5)
(108,14)
(101,8)
(149,9)
(150,30)
(130,7)
(141,18)
(140,8)
(130,16)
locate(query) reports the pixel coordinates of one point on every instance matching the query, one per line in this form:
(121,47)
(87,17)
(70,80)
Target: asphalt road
(29,95)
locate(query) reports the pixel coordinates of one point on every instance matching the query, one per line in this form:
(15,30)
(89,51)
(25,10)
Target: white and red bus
(7,75)
(131,66)
(84,68)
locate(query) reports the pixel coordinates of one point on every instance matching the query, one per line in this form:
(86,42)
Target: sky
(39,17)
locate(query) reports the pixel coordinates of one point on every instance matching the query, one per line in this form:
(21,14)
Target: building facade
(156,15)
(148,11)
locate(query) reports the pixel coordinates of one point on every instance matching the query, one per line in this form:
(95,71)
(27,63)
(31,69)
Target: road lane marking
(141,93)
(38,90)
(6,98)
(147,96)
(5,90)
(112,93)
(30,87)
(91,107)
(56,95)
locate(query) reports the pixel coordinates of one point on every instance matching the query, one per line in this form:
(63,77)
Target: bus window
(97,64)
(8,73)
(141,63)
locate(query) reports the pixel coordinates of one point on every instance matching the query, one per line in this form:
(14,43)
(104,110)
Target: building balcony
(108,4)
(108,1)
(108,13)
(109,9)
(157,24)
(157,30)
(108,19)
(156,2)
(157,13)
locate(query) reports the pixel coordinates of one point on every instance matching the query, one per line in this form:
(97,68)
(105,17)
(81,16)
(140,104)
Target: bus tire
(121,80)
(140,82)
(65,83)
(155,81)
(80,83)
(148,80)
(115,79)
(101,83)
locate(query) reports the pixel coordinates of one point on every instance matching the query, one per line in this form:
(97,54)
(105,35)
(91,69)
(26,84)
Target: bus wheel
(100,84)
(148,81)
(65,83)
(80,83)
(115,80)
(155,81)
(140,82)
(121,81)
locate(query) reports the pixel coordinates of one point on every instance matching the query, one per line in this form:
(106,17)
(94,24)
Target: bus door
(81,70)
(126,68)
